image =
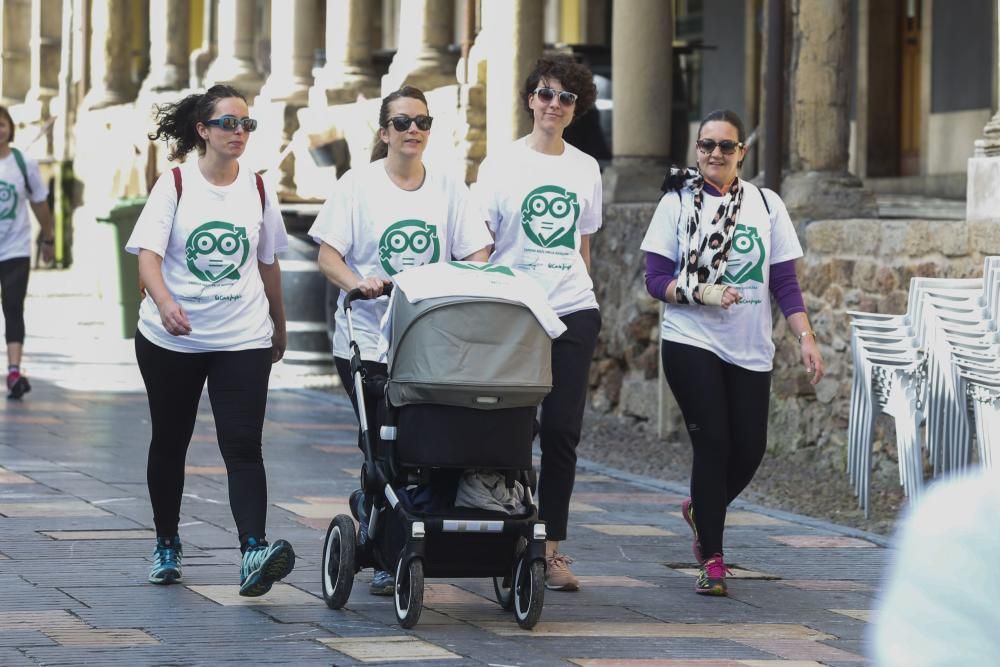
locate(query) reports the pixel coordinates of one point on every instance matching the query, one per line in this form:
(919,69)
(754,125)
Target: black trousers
(725,410)
(13,289)
(561,417)
(237,388)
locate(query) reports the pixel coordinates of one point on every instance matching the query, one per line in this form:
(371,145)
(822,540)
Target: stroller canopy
(467,351)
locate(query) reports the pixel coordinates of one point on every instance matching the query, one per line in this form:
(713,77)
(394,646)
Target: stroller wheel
(409,594)
(338,562)
(504,592)
(528,592)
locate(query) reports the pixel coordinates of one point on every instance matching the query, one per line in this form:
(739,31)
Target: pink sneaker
(712,577)
(17,385)
(687,511)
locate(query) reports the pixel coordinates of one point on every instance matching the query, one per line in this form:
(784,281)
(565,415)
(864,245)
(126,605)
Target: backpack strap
(767,207)
(19,159)
(260,191)
(178,186)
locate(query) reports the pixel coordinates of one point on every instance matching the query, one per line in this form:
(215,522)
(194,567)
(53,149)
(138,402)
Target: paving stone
(138,533)
(732,632)
(229,596)
(388,649)
(8,477)
(822,541)
(692,662)
(627,530)
(860,614)
(795,649)
(59,508)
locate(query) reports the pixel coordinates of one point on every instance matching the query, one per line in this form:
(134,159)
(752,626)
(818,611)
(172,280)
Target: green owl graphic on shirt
(216,251)
(8,201)
(746,258)
(549,215)
(406,244)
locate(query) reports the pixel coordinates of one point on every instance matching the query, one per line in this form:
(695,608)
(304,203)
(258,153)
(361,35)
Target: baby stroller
(465,376)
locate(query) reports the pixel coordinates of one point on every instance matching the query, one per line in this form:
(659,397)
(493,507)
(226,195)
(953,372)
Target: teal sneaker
(264,564)
(166,561)
(383,583)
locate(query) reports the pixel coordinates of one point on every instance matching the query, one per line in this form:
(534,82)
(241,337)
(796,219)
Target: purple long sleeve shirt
(783,282)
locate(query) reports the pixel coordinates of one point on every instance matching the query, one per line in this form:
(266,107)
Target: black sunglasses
(727,146)
(566,98)
(402,123)
(230,123)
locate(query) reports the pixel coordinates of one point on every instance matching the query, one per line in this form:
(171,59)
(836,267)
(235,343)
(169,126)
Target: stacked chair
(936,371)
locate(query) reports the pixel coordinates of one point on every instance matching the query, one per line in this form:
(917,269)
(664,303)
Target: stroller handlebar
(356,295)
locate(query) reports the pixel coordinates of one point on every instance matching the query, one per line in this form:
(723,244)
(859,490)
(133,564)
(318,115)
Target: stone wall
(861,265)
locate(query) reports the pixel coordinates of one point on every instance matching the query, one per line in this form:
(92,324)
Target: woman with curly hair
(212,312)
(541,198)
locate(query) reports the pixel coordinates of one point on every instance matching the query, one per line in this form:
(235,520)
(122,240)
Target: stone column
(234,64)
(202,57)
(982,201)
(169,46)
(641,50)
(46,38)
(422,58)
(15,29)
(110,54)
(348,70)
(514,30)
(293,42)
(819,184)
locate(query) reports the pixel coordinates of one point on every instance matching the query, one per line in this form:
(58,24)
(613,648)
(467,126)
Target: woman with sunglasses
(21,188)
(206,241)
(717,249)
(382,218)
(541,198)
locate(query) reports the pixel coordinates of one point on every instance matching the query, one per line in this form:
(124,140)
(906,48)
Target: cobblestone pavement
(76,541)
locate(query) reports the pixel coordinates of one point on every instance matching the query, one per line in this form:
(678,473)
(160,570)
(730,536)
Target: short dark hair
(726,116)
(5,113)
(574,77)
(379,147)
(178,121)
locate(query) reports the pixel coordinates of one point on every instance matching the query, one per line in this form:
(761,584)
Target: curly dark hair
(574,77)
(177,122)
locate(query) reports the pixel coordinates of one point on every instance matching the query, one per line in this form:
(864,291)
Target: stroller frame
(460,543)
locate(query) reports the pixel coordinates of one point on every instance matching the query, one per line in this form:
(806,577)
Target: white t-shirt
(15,224)
(382,230)
(538,207)
(210,243)
(740,335)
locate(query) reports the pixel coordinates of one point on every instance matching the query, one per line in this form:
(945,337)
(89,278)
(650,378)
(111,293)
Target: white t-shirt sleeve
(661,237)
(784,241)
(485,203)
(273,237)
(334,224)
(592,218)
(152,229)
(39,190)
(468,231)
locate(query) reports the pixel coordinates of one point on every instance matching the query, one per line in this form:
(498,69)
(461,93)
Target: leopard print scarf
(704,246)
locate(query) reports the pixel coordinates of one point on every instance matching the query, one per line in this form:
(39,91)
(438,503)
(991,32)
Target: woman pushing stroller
(382,218)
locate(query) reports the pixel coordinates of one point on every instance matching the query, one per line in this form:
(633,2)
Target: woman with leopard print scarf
(717,249)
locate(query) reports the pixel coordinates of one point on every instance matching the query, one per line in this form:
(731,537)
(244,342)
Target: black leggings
(372,368)
(13,289)
(562,418)
(725,410)
(237,388)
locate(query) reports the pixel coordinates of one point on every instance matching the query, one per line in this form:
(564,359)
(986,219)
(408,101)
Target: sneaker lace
(559,561)
(165,556)
(715,568)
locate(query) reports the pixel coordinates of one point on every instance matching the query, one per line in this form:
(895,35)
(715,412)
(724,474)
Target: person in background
(207,240)
(717,249)
(542,199)
(382,218)
(21,187)
(940,606)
